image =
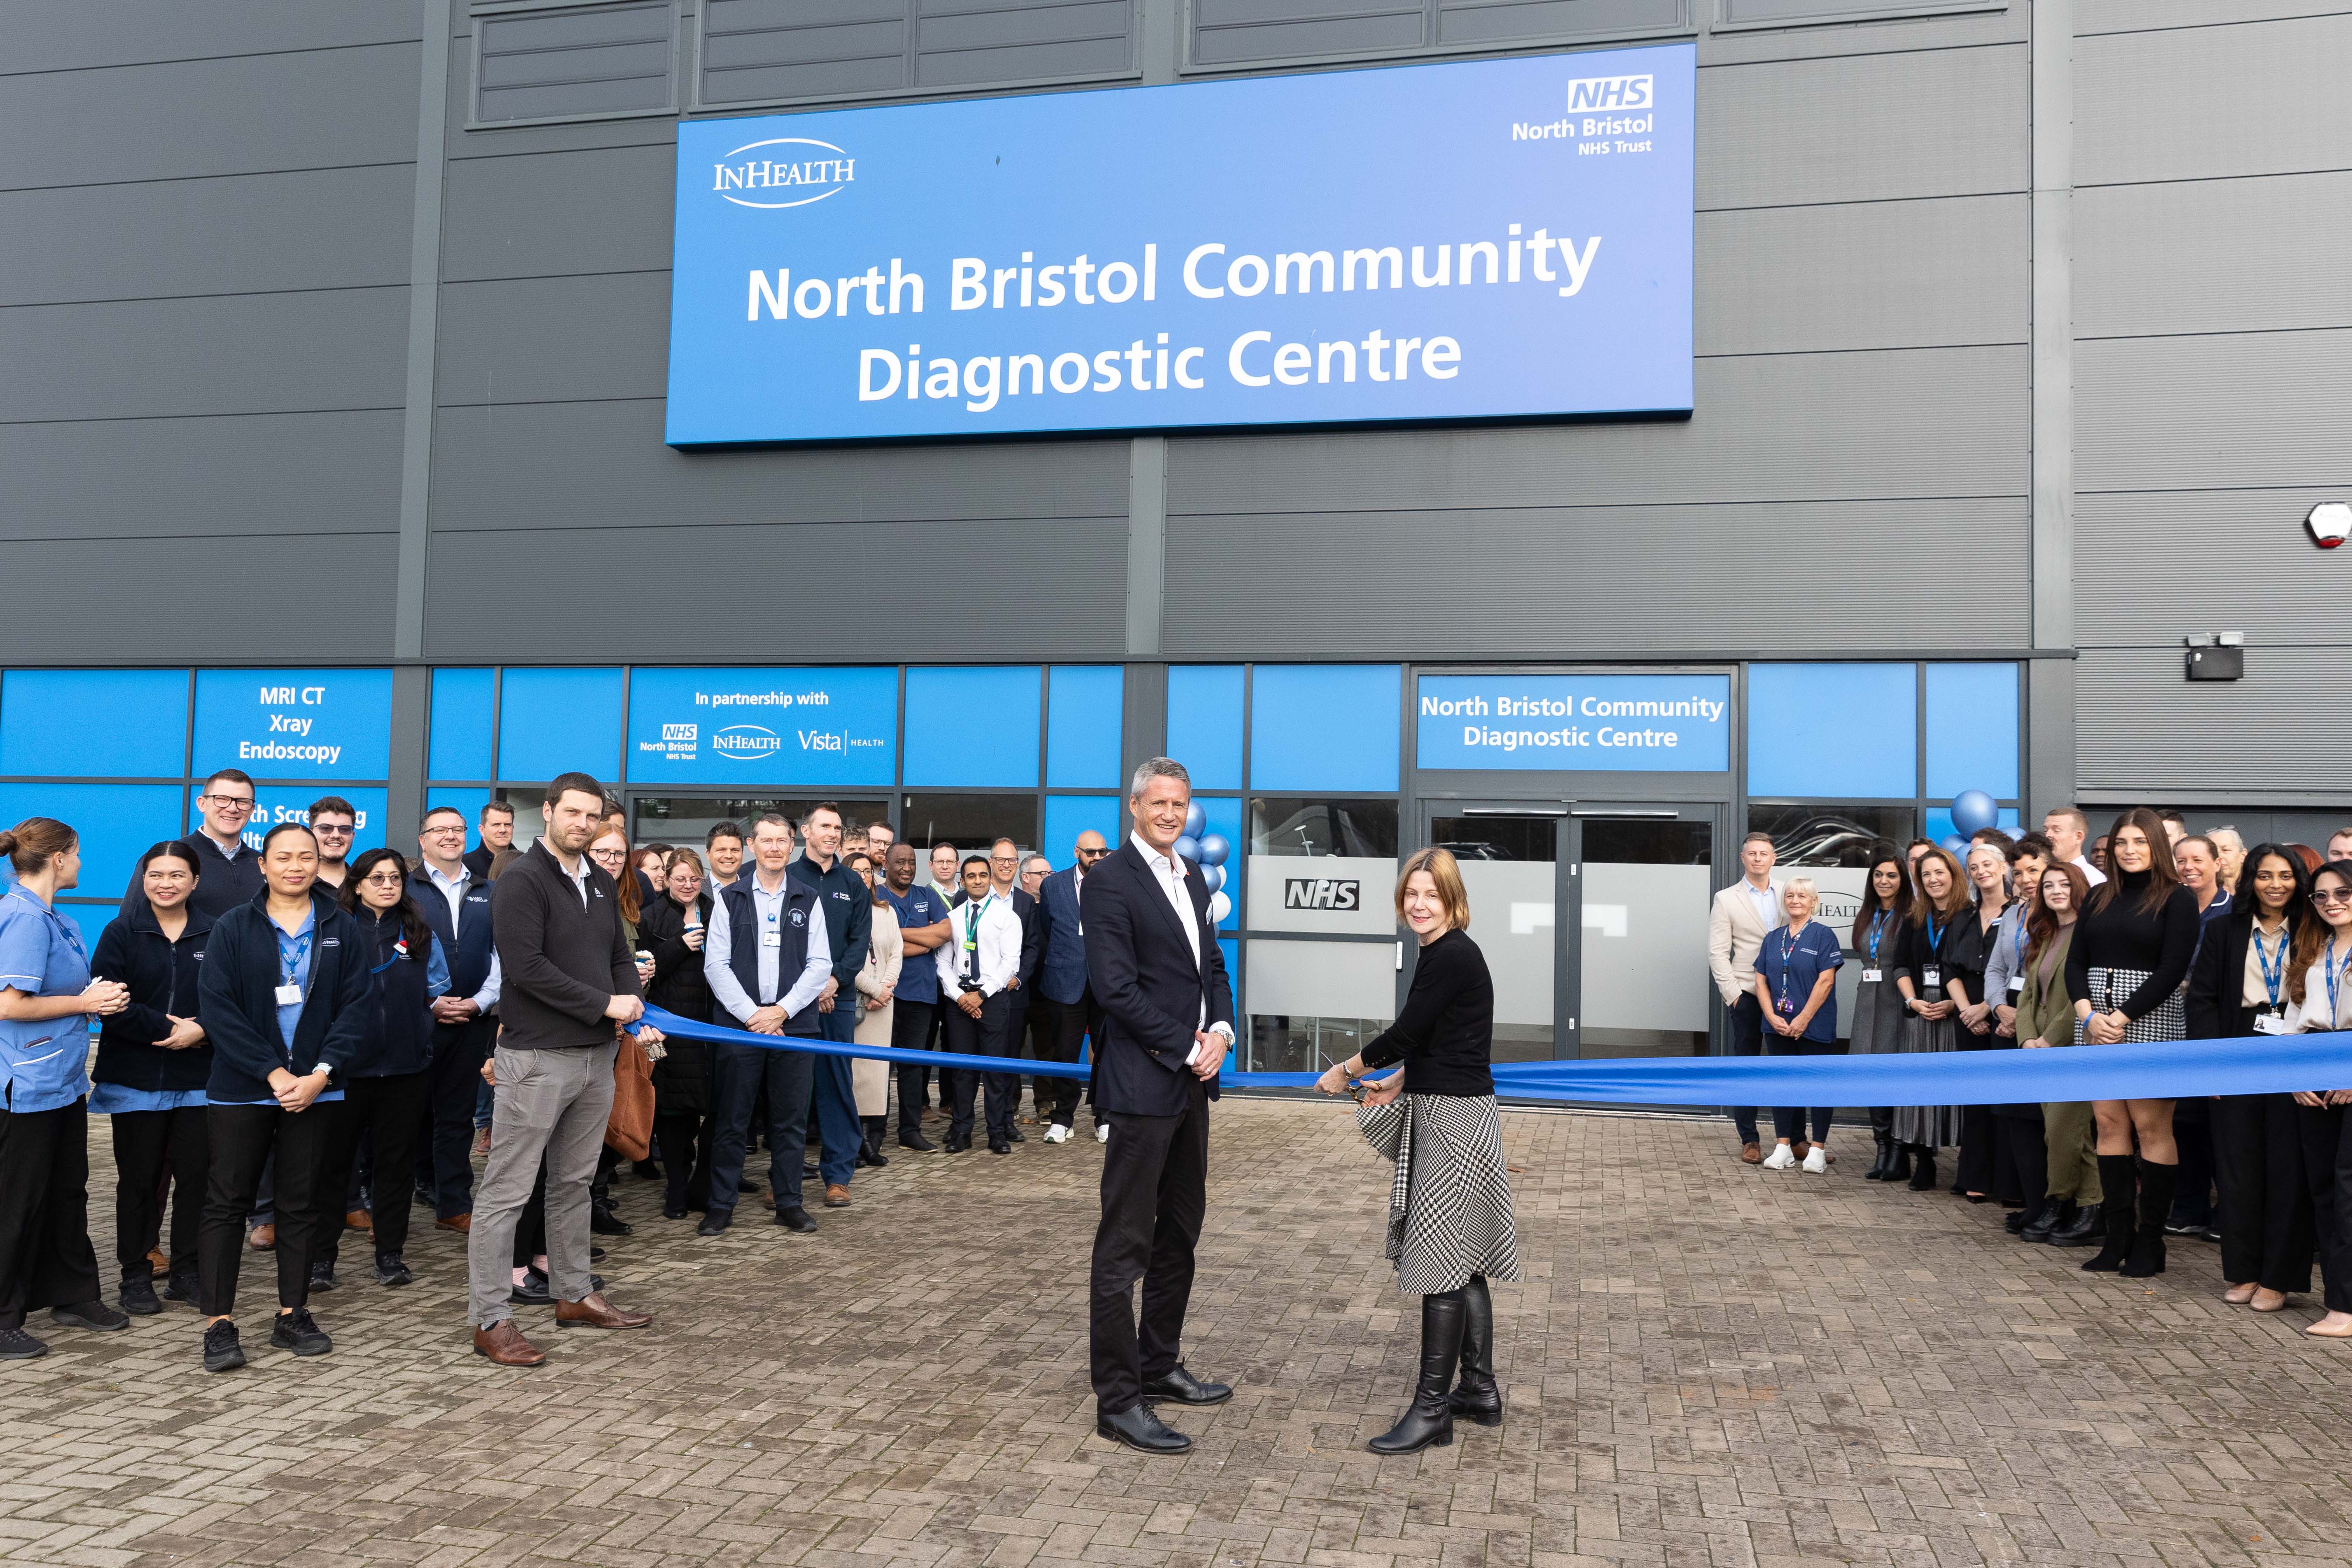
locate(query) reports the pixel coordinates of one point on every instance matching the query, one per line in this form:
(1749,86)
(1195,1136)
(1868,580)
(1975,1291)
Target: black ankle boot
(1476,1397)
(2118,1179)
(1899,1168)
(2055,1216)
(1429,1421)
(2157,1186)
(1923,1169)
(1885,1161)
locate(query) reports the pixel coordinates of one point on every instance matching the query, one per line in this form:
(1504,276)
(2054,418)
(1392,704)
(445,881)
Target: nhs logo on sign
(679,733)
(783,172)
(1321,893)
(1592,93)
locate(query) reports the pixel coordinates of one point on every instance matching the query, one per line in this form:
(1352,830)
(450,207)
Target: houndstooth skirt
(2110,987)
(1450,1205)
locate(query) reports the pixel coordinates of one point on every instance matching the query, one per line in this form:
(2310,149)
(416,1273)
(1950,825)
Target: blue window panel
(1085,704)
(973,728)
(463,717)
(1067,816)
(1940,822)
(1232,949)
(1324,726)
(94,723)
(469,801)
(1973,729)
(1842,730)
(1204,722)
(555,721)
(274,803)
(89,919)
(1224,816)
(116,823)
(294,723)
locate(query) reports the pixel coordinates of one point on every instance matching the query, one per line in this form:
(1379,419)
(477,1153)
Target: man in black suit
(1156,970)
(496,824)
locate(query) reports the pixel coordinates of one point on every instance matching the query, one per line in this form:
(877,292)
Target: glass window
(1646,887)
(1510,870)
(459,745)
(1971,729)
(1311,825)
(685,820)
(556,720)
(116,823)
(1831,833)
(969,822)
(1833,730)
(1204,722)
(1315,1003)
(47,728)
(1324,726)
(1085,706)
(975,726)
(1067,816)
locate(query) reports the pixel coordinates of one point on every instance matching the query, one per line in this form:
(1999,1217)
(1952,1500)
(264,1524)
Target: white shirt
(1767,899)
(1171,877)
(2314,1012)
(453,889)
(994,930)
(719,953)
(2091,873)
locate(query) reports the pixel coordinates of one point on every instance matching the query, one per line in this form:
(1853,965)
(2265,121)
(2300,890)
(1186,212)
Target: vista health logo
(746,742)
(783,172)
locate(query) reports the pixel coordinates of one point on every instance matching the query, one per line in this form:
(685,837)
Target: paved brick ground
(1707,1365)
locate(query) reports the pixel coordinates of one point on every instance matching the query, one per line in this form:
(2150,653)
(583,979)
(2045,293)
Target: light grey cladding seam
(423,320)
(2050,719)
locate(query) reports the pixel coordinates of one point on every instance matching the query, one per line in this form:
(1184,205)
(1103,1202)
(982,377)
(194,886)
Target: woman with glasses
(2239,985)
(390,1090)
(2131,951)
(1919,967)
(673,930)
(877,989)
(2322,962)
(1877,1006)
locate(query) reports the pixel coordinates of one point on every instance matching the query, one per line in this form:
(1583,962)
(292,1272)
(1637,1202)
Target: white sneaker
(1780,1158)
(1102,1131)
(1817,1160)
(1057,1133)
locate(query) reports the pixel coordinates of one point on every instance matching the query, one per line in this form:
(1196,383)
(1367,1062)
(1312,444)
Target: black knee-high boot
(2118,1174)
(1923,1172)
(1429,1421)
(1476,1397)
(2157,1186)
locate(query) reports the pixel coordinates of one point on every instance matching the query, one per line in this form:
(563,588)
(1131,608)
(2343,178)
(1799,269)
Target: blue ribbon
(2174,1070)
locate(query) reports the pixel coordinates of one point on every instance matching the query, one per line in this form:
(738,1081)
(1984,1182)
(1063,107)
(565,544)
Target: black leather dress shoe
(913,1139)
(1182,1387)
(999,1146)
(1142,1430)
(1015,1135)
(714,1222)
(532,1292)
(796,1219)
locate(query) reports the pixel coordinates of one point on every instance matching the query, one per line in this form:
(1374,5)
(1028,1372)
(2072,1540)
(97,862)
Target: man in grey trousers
(570,981)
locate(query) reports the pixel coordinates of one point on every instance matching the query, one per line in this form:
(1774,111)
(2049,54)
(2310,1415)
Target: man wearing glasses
(333,823)
(231,873)
(1067,1010)
(457,905)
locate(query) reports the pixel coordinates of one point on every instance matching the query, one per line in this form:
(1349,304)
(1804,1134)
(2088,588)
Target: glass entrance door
(1511,862)
(1643,876)
(685,820)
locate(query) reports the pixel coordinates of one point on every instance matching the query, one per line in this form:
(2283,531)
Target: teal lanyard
(1877,924)
(2274,975)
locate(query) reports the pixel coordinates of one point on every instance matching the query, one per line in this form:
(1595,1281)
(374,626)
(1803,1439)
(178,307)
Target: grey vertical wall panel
(1826,426)
(555,339)
(600,465)
(2147,15)
(1864,275)
(1065,575)
(1944,122)
(220,477)
(255,353)
(57,575)
(542,215)
(2197,102)
(2134,707)
(241,234)
(1599,582)
(1536,21)
(2213,255)
(586,60)
(75,35)
(1235,32)
(2157,566)
(1964,30)
(2199,413)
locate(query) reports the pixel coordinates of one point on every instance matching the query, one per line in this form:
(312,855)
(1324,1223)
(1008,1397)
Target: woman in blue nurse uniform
(47,998)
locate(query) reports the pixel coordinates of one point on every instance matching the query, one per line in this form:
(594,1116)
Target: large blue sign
(1490,239)
(1578,723)
(294,723)
(791,727)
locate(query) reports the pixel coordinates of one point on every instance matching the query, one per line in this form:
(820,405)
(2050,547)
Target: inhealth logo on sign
(1487,239)
(1600,723)
(763,726)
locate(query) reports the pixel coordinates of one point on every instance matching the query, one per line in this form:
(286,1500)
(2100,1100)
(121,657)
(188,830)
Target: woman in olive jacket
(672,929)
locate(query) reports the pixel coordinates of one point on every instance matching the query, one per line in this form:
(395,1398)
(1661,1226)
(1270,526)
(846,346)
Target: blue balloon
(1973,811)
(1214,876)
(1195,820)
(1213,850)
(1188,849)
(1957,845)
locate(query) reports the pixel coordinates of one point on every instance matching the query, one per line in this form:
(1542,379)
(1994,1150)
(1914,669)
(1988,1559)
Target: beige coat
(1732,935)
(885,953)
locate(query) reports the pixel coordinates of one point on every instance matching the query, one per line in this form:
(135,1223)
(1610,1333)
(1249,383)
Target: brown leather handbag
(631,1128)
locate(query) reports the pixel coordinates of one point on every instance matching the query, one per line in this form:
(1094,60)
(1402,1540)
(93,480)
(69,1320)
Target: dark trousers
(1747,1021)
(2020,1158)
(1973,1170)
(1154,1192)
(244,1139)
(2193,1134)
(981,1036)
(2327,1175)
(912,1029)
(444,1149)
(46,1257)
(738,1074)
(1056,1031)
(389,1113)
(833,1105)
(1789,1120)
(147,1143)
(2266,1210)
(686,1138)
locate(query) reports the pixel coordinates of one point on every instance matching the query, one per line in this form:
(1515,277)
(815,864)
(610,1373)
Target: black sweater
(161,976)
(2120,935)
(1445,1036)
(681,1079)
(561,962)
(238,984)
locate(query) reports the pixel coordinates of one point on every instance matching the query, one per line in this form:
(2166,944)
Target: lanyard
(1934,933)
(2272,973)
(2017,950)
(2335,973)
(288,964)
(1878,923)
(1788,948)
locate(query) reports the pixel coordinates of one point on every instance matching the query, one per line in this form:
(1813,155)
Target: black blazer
(2217,978)
(1140,965)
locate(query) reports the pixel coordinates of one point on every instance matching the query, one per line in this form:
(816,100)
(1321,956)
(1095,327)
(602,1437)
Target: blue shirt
(47,1060)
(917,906)
(121,1099)
(294,969)
(1790,963)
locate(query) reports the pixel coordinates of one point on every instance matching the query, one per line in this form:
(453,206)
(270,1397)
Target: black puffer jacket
(681,1079)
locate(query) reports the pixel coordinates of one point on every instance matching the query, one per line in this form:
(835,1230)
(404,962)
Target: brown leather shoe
(592,1311)
(261,1238)
(503,1344)
(836,1196)
(1751,1153)
(359,1219)
(462,1224)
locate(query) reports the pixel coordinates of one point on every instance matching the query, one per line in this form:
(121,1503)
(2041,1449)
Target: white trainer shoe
(1057,1133)
(1781,1159)
(1817,1160)
(1102,1131)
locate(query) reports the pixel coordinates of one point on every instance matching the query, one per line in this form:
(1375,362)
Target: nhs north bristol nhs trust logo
(783,172)
(1610,94)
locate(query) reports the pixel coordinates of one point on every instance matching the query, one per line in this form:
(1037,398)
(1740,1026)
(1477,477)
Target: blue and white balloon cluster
(1209,851)
(1973,811)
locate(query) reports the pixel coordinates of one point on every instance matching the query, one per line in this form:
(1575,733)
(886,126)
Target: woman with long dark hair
(2239,985)
(152,1061)
(673,929)
(1918,968)
(2322,962)
(2045,1018)
(47,998)
(2130,954)
(1877,1004)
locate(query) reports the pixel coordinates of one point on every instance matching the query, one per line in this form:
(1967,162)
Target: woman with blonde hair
(1449,1224)
(1796,987)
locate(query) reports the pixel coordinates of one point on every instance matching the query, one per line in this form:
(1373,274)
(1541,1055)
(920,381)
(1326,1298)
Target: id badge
(2269,1024)
(1873,975)
(1932,975)
(771,938)
(289,995)
(2017,984)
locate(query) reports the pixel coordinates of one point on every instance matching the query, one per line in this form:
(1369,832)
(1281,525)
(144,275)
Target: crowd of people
(2149,933)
